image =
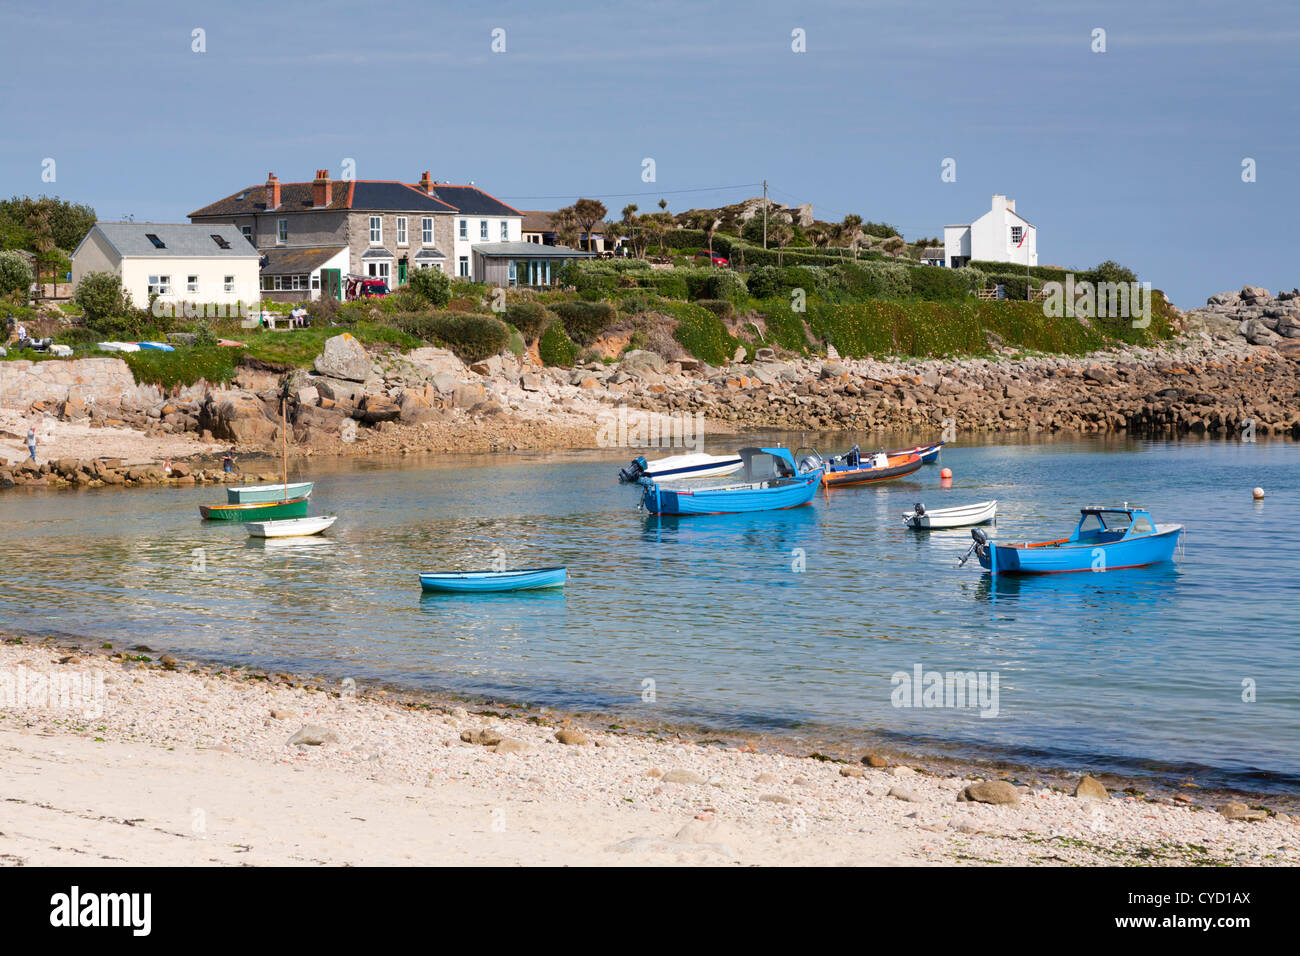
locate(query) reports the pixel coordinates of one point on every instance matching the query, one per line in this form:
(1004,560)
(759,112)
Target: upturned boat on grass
(251,494)
(961,516)
(681,466)
(854,468)
(258,511)
(290,527)
(1106,539)
(770,481)
(482,582)
(929,453)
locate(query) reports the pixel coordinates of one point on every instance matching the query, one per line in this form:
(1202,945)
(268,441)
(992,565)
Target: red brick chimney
(426,183)
(272,191)
(322,190)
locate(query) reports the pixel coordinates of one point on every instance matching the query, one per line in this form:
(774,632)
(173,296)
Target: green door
(331,283)
(401,273)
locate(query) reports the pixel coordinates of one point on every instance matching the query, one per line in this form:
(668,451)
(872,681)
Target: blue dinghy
(770,481)
(481,582)
(1106,539)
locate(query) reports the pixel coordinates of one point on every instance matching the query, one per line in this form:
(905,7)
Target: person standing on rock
(31,443)
(228,461)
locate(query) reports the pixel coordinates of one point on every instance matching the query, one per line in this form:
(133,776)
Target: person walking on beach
(31,443)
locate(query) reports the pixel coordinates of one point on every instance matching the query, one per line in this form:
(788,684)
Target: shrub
(471,336)
(584,321)
(936,283)
(722,308)
(723,284)
(432,285)
(764,282)
(15,274)
(555,347)
(529,318)
(101,297)
(702,333)
(670,285)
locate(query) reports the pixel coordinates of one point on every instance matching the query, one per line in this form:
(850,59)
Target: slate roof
(288,262)
(472,201)
(530,250)
(538,220)
(179,240)
(427,253)
(932,253)
(365,195)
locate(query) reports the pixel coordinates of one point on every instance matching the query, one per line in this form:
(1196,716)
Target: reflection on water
(786,620)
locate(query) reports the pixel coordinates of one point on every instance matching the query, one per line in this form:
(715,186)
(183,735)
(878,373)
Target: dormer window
(158,243)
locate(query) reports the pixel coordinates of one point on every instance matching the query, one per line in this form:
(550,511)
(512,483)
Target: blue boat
(1106,539)
(483,582)
(770,481)
(156,346)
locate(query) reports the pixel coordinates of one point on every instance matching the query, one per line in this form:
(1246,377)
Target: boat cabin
(767,464)
(1104,525)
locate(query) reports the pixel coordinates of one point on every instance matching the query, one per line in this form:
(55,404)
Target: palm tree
(588,212)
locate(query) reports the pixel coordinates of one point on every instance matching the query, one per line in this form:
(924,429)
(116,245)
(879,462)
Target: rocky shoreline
(1235,372)
(624,794)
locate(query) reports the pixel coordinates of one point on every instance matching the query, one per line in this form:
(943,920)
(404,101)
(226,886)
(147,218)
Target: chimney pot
(322,190)
(272,191)
(426,183)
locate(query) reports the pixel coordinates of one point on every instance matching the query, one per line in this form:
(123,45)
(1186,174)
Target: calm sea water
(1131,671)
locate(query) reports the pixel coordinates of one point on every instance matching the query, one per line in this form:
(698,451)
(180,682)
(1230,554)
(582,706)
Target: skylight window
(220,241)
(152,237)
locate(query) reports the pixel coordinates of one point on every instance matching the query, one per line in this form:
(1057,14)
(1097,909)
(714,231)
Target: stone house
(313,235)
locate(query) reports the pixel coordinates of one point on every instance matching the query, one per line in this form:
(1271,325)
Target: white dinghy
(963,516)
(682,466)
(290,527)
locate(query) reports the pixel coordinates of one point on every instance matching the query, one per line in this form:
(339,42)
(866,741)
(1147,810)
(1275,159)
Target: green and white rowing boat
(253,494)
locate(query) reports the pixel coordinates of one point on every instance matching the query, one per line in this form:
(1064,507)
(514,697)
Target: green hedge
(529,318)
(471,336)
(555,347)
(584,321)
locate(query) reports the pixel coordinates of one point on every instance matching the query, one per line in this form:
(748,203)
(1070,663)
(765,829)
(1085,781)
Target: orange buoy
(1257,494)
(946,473)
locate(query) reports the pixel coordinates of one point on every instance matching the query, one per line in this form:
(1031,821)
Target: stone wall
(102,380)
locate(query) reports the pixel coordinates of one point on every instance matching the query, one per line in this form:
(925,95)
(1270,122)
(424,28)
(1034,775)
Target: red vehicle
(715,258)
(365,287)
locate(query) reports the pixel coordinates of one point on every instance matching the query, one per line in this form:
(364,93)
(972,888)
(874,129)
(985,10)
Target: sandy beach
(155,761)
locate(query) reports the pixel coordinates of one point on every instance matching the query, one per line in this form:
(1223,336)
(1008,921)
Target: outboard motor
(634,471)
(981,543)
(920,509)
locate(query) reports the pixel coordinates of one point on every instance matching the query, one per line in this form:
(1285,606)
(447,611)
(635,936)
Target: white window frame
(380,269)
(160,285)
(464,228)
(192,284)
(248,233)
(229,284)
(426,231)
(483,230)
(315,280)
(281,231)
(464,267)
(376,230)
(401,231)
(1016,233)
(505,230)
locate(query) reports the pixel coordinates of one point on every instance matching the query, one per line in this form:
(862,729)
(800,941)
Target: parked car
(359,287)
(715,258)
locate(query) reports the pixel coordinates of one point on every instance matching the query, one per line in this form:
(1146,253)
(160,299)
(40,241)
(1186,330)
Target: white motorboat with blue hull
(681,466)
(771,481)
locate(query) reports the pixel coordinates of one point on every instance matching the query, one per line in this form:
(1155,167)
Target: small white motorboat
(963,516)
(681,466)
(290,527)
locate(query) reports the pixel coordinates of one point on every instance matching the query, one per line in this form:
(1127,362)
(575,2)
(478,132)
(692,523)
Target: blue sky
(1133,154)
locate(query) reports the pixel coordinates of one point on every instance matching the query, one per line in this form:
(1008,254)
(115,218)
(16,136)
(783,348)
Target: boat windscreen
(762,466)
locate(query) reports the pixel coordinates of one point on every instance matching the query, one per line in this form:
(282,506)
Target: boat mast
(284,445)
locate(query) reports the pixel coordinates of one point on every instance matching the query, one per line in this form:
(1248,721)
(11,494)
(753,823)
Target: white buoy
(1257,493)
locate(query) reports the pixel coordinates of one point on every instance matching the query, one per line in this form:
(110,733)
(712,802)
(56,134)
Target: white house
(209,263)
(1000,235)
(480,219)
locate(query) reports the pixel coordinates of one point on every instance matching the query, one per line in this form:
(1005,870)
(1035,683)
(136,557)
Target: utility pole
(765,214)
